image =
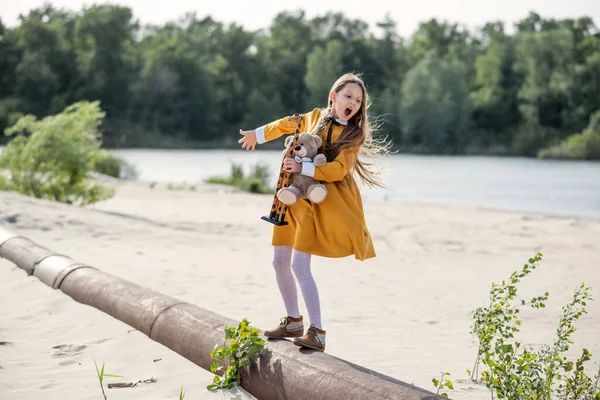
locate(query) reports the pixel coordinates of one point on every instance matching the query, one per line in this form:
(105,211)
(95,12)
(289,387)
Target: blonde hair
(358,134)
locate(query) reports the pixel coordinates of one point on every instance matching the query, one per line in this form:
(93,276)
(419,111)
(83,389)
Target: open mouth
(347,112)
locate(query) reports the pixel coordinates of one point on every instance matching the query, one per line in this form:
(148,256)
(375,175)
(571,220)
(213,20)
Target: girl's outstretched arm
(284,126)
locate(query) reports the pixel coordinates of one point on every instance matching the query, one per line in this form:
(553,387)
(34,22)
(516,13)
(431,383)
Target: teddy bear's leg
(316,193)
(289,195)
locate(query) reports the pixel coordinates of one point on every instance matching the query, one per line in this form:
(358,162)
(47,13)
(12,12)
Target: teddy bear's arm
(319,160)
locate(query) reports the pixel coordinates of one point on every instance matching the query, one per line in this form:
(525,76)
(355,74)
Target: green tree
(435,107)
(11,106)
(174,94)
(436,36)
(391,54)
(44,71)
(584,98)
(321,75)
(261,110)
(545,59)
(495,93)
(104,51)
(284,57)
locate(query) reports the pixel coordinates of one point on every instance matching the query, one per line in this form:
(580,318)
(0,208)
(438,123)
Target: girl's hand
(249,140)
(291,165)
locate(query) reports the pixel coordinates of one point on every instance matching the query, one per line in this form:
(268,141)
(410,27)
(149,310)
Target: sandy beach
(407,313)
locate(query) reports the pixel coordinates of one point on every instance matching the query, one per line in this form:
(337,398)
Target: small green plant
(101,375)
(181,393)
(257,180)
(241,344)
(443,382)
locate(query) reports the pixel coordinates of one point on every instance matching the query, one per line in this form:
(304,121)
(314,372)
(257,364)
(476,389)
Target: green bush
(581,146)
(108,164)
(516,371)
(513,370)
(52,158)
(256,182)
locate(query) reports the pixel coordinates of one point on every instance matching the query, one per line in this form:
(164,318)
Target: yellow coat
(336,227)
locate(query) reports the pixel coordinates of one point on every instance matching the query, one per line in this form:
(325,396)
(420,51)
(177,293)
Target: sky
(257,14)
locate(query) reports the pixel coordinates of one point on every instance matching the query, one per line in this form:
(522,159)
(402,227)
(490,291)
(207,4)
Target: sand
(407,313)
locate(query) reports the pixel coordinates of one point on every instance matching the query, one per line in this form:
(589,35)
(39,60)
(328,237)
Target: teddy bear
(304,187)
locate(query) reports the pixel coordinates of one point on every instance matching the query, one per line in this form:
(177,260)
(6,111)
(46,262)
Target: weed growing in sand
(255,182)
(181,186)
(516,371)
(244,342)
(442,383)
(101,376)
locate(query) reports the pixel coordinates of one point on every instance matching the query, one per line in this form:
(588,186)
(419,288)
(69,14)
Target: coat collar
(339,121)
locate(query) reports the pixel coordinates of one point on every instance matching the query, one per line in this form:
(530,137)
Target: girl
(334,228)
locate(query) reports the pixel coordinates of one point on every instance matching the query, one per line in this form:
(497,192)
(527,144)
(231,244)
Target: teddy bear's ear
(318,140)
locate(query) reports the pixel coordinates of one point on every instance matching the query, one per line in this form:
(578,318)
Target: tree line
(196,81)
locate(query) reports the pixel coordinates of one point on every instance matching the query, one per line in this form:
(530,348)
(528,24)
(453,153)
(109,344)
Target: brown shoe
(289,327)
(314,339)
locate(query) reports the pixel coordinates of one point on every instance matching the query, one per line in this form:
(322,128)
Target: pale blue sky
(255,14)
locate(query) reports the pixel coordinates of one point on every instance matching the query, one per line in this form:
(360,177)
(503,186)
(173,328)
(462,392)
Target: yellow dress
(336,227)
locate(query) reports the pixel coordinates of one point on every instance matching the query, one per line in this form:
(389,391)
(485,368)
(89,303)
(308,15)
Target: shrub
(52,158)
(108,164)
(256,182)
(581,146)
(515,371)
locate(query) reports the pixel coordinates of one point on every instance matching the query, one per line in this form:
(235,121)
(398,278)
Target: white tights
(286,260)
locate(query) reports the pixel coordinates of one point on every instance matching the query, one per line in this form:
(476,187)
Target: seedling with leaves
(244,342)
(443,382)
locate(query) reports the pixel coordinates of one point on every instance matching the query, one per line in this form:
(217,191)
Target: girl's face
(347,102)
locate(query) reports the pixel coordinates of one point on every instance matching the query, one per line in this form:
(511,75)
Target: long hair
(357,135)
